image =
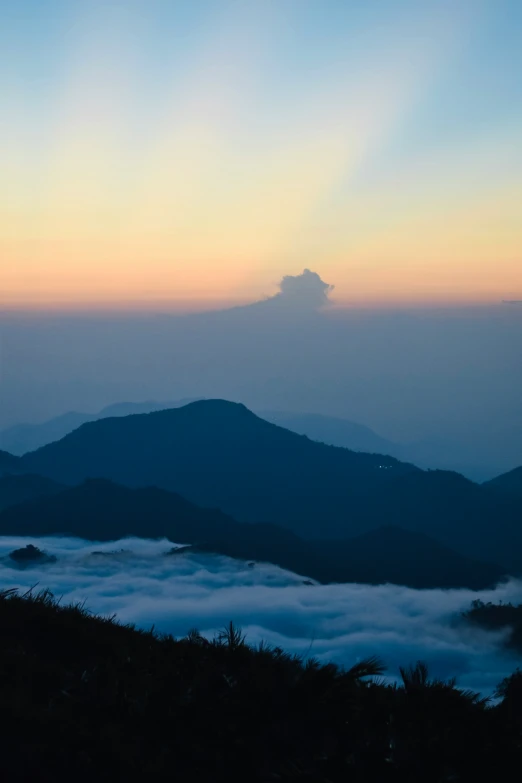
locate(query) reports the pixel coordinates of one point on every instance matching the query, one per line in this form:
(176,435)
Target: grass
(86,698)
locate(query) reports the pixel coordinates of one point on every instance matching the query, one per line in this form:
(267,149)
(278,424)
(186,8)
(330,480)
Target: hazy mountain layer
(18,488)
(219,454)
(101,511)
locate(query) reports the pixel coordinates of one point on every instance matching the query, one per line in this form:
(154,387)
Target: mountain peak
(217,407)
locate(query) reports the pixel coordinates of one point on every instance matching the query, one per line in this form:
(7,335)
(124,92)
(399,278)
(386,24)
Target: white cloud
(342,623)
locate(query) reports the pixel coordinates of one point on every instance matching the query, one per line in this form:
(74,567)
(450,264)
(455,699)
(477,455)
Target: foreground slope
(100,510)
(87,699)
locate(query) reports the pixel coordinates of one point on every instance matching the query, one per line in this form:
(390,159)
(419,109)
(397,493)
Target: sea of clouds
(341,622)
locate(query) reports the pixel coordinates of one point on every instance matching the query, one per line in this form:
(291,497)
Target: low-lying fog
(340,623)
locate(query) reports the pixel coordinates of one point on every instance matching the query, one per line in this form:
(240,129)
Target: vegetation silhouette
(497,617)
(30,554)
(87,698)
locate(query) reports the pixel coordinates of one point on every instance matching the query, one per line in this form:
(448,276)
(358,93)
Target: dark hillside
(100,510)
(508,483)
(219,454)
(18,488)
(83,698)
(9,463)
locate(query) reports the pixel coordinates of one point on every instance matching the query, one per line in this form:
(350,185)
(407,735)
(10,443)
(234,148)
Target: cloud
(308,283)
(341,623)
(305,291)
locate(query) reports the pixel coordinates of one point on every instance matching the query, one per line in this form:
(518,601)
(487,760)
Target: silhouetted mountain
(391,554)
(508,483)
(479,455)
(387,554)
(18,488)
(22,438)
(460,514)
(332,431)
(27,437)
(101,510)
(219,454)
(463,454)
(9,463)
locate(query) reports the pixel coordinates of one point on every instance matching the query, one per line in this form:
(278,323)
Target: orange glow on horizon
(205,194)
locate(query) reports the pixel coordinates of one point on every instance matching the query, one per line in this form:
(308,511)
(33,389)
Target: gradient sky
(166,151)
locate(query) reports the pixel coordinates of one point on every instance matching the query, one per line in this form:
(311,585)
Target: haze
(451,377)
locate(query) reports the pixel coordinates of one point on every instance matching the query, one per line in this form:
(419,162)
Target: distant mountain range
(334,432)
(22,438)
(504,448)
(220,455)
(100,510)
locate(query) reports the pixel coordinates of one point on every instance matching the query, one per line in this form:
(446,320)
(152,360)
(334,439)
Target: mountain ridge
(509,483)
(219,454)
(100,510)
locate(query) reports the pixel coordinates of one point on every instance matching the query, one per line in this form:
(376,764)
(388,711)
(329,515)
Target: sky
(447,379)
(343,623)
(164,153)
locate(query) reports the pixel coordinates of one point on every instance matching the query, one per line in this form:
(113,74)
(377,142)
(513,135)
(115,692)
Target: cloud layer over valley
(341,623)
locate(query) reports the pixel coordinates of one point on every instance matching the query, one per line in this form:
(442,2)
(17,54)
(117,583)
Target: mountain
(100,510)
(507,483)
(478,455)
(15,489)
(332,431)
(9,463)
(385,555)
(219,454)
(22,438)
(27,437)
(457,512)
